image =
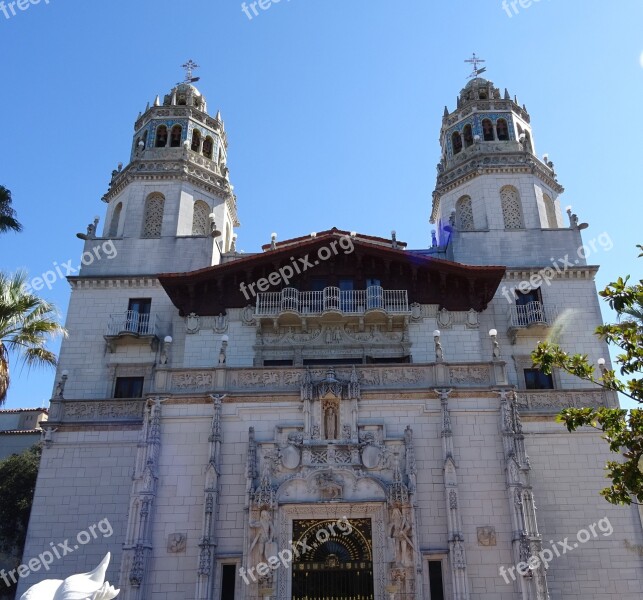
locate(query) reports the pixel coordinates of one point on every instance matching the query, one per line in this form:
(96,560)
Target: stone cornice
(524,273)
(113,281)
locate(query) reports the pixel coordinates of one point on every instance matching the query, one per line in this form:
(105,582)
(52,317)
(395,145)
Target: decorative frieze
(556,400)
(81,411)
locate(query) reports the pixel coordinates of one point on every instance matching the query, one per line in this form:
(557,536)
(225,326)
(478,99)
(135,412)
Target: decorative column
(457,555)
(205,587)
(139,550)
(526,540)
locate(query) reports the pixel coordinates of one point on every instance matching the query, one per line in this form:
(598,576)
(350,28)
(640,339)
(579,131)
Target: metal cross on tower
(475,61)
(189,67)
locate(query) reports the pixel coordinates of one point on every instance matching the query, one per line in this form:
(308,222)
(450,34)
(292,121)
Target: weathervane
(189,67)
(475,61)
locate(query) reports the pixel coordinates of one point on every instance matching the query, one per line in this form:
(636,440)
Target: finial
(475,61)
(189,67)
(157,101)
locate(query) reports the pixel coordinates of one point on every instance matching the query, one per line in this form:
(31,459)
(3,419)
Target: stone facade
(411,421)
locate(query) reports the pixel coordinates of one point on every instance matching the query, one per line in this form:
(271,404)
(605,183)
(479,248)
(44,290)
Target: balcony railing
(348,302)
(532,313)
(134,323)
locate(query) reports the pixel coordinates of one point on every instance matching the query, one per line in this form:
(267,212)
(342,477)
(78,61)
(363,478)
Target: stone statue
(400,530)
(331,423)
(265,535)
(87,586)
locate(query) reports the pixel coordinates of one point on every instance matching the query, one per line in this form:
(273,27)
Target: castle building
(337,416)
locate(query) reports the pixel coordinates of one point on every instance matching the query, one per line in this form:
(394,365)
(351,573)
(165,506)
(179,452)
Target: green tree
(27,323)
(18,475)
(8,221)
(622,429)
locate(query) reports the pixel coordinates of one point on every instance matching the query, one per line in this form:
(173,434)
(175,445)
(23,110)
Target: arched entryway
(335,562)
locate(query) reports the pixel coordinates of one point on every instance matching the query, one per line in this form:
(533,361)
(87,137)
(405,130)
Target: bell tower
(173,206)
(494,197)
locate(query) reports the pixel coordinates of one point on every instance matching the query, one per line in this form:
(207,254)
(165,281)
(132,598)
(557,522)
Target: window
(145,140)
(436,585)
(161,137)
(550,209)
(456,139)
(208,146)
(529,308)
(464,214)
(129,387)
(277,363)
(511,208)
(503,130)
(153,220)
(200,218)
(196,140)
(175,136)
(468,136)
(116,218)
(319,362)
(395,360)
(535,379)
(528,145)
(228,581)
(487,131)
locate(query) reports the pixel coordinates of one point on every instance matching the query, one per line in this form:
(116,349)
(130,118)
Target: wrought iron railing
(532,313)
(134,323)
(349,302)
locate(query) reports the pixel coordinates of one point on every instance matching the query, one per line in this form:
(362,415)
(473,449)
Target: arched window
(145,139)
(200,218)
(468,136)
(528,145)
(161,137)
(208,145)
(550,209)
(153,220)
(175,136)
(511,208)
(487,131)
(115,222)
(464,214)
(456,139)
(196,140)
(503,130)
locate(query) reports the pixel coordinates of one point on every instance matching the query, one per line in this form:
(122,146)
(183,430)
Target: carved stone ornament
(487,536)
(247,316)
(444,318)
(192,323)
(290,457)
(220,323)
(416,312)
(177,543)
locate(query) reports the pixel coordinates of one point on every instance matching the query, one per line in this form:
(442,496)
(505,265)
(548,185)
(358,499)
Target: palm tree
(8,221)
(27,322)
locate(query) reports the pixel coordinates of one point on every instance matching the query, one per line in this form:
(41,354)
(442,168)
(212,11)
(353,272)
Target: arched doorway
(335,563)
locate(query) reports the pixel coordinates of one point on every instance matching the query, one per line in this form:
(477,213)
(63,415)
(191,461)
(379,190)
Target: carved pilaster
(207,545)
(457,554)
(526,540)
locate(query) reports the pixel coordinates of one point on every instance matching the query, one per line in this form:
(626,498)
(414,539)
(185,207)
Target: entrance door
(337,563)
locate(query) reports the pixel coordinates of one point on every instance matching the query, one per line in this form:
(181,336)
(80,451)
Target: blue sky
(333,111)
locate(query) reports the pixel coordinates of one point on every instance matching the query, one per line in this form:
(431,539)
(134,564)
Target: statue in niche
(265,536)
(400,529)
(330,422)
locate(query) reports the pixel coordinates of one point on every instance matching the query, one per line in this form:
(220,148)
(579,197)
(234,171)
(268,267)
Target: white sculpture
(86,586)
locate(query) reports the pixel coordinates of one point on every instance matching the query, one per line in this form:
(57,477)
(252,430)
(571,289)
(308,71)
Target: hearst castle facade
(338,416)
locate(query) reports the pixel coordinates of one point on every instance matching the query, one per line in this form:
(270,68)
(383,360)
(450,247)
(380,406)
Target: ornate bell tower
(491,182)
(172,207)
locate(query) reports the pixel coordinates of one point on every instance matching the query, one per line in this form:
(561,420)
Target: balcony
(532,319)
(290,305)
(132,325)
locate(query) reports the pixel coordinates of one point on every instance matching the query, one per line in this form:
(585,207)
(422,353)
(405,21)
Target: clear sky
(332,108)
